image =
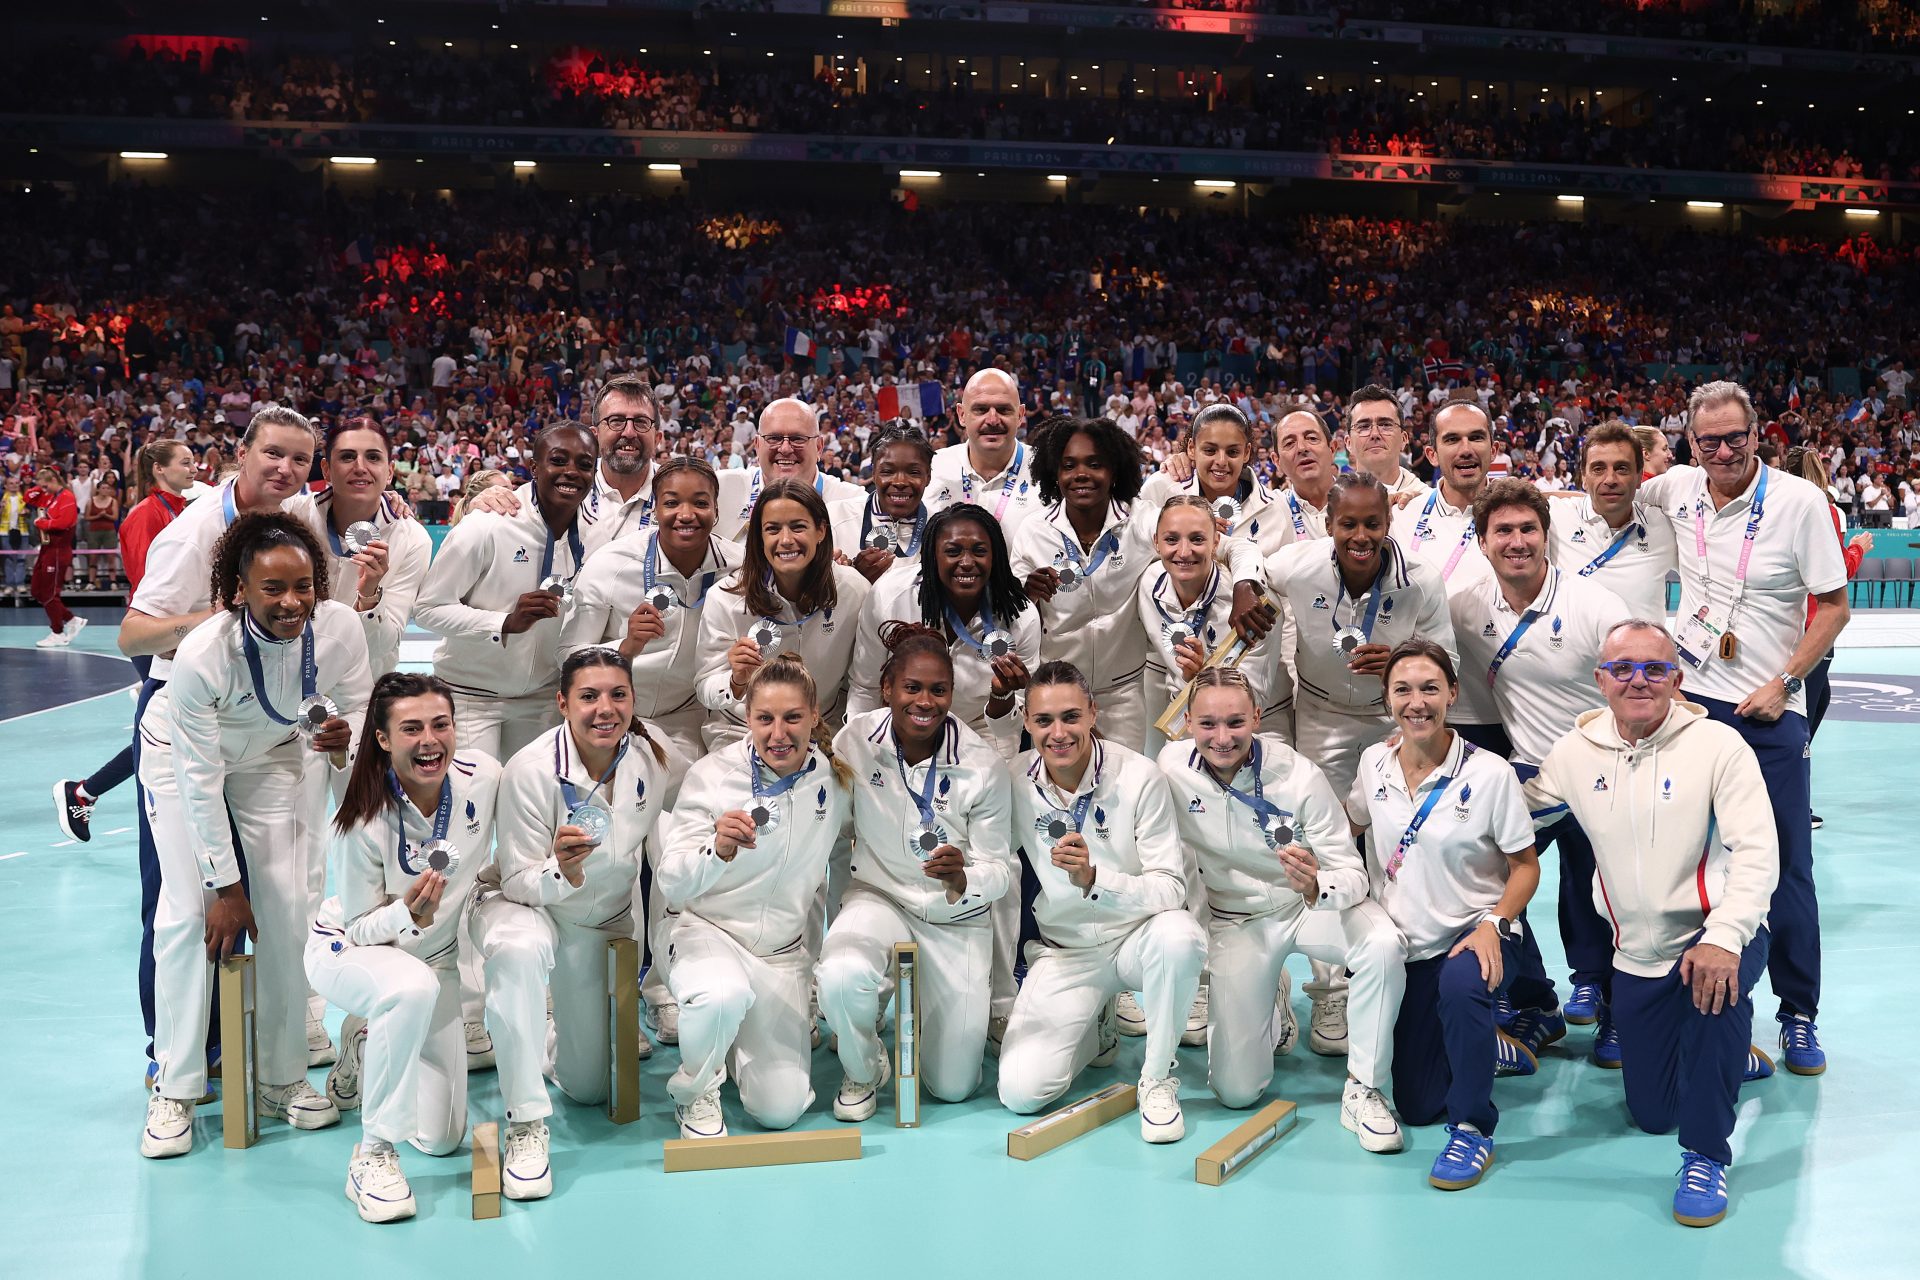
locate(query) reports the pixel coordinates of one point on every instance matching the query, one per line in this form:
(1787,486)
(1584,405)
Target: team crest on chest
(1100,821)
(1195,806)
(1556,639)
(1386,607)
(1488,631)
(878,780)
(1460,811)
(1666,788)
(520,555)
(820,804)
(1600,784)
(1579,535)
(473,819)
(1320,602)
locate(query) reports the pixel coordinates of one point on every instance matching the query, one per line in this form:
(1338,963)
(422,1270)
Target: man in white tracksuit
(1687,860)
(992,466)
(786,448)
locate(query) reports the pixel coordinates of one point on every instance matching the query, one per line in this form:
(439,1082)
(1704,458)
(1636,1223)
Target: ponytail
(368,796)
(603,656)
(149,460)
(790,669)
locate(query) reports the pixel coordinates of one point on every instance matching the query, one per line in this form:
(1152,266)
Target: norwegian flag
(1439,371)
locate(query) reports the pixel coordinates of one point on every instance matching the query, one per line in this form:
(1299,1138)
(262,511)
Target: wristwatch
(1507,929)
(1792,682)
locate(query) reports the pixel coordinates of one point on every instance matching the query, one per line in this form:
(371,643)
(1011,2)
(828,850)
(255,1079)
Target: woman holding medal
(1100,836)
(880,534)
(415,828)
(930,860)
(1452,861)
(1220,445)
(787,596)
(1281,873)
(279,673)
(745,856)
(576,806)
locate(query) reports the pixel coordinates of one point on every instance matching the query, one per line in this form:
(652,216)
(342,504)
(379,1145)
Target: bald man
(787,447)
(992,467)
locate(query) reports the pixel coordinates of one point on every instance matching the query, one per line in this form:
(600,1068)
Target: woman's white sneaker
(1286,1025)
(1128,1015)
(856,1101)
(343,1082)
(1364,1111)
(479,1047)
(666,1022)
(320,1051)
(1196,1031)
(526,1173)
(169,1130)
(1160,1116)
(299,1104)
(702,1118)
(375,1184)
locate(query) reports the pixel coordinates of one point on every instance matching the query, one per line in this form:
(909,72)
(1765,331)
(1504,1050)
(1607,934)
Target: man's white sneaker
(1160,1116)
(320,1051)
(1327,1030)
(299,1104)
(375,1184)
(1129,1016)
(666,1022)
(169,1130)
(1364,1111)
(479,1047)
(525,1173)
(53,640)
(343,1082)
(702,1118)
(1109,1037)
(1196,1032)
(1286,1026)
(855,1101)
(75,625)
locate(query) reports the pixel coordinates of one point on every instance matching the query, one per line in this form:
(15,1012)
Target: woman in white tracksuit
(1221,444)
(789,592)
(1282,874)
(744,860)
(415,828)
(920,778)
(222,763)
(576,807)
(881,533)
(1098,831)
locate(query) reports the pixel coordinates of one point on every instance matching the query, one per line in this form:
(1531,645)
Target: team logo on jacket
(245,698)
(878,780)
(1579,535)
(1253,530)
(520,555)
(1194,806)
(820,804)
(473,819)
(1381,793)
(1320,602)
(1466,795)
(1488,630)
(640,794)
(1386,607)
(1556,639)
(1099,821)
(1600,784)
(1666,788)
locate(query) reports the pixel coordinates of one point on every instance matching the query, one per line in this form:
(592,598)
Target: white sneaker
(375,1184)
(169,1130)
(525,1172)
(1196,1032)
(855,1101)
(299,1104)
(996,1035)
(1130,1017)
(1160,1117)
(1286,1026)
(343,1082)
(702,1118)
(666,1022)
(1109,1032)
(1327,1032)
(75,625)
(1364,1111)
(53,640)
(479,1047)
(320,1051)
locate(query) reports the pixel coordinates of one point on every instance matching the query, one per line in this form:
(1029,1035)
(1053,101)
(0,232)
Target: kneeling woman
(415,828)
(744,857)
(931,824)
(280,673)
(1451,858)
(576,806)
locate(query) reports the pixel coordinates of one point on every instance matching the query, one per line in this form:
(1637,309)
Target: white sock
(1467,1128)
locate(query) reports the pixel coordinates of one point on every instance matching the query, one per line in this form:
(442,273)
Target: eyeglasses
(1734,441)
(1373,430)
(622,422)
(788,442)
(1652,672)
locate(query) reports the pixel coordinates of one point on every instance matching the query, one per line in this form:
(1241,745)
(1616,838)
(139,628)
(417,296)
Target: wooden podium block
(239,1103)
(1236,1151)
(486,1171)
(750,1150)
(623,1030)
(1057,1128)
(906,1035)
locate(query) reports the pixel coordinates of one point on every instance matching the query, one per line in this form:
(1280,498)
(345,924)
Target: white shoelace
(1164,1092)
(524,1140)
(704,1111)
(379,1169)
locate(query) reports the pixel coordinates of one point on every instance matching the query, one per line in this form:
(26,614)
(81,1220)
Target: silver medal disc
(1347,639)
(764,814)
(998,644)
(1277,830)
(765,634)
(593,820)
(1227,509)
(1057,830)
(441,856)
(314,713)
(662,598)
(1070,576)
(557,586)
(1178,633)
(923,840)
(878,540)
(360,535)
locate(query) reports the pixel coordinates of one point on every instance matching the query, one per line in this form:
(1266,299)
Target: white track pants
(857,967)
(266,809)
(1245,957)
(413,1080)
(1053,1033)
(1334,740)
(743,1015)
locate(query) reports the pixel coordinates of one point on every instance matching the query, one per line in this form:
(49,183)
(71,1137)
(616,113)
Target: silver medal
(314,713)
(662,598)
(441,856)
(878,540)
(1227,509)
(1277,830)
(765,815)
(998,644)
(1069,575)
(1347,639)
(923,840)
(1057,830)
(1177,633)
(558,587)
(360,535)
(593,820)
(766,634)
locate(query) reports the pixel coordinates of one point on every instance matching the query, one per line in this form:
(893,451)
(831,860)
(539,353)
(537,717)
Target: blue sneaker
(1800,1042)
(1537,1028)
(1606,1042)
(1503,1012)
(1759,1065)
(1464,1160)
(1511,1057)
(1583,1006)
(1701,1199)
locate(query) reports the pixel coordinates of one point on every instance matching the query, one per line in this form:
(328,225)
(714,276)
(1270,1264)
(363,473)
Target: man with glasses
(1686,862)
(1754,544)
(787,447)
(1376,440)
(991,467)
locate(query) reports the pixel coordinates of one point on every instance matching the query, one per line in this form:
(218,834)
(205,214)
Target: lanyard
(1512,641)
(1080,806)
(919,527)
(773,791)
(573,545)
(1258,802)
(923,800)
(309,668)
(965,634)
(650,576)
(1632,530)
(442,817)
(1373,594)
(1195,617)
(1299,517)
(567,790)
(1439,786)
(227,509)
(797,623)
(1108,544)
(1423,530)
(1746,541)
(1006,488)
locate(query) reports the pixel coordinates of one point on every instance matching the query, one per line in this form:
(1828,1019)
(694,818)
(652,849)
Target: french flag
(886,403)
(932,404)
(1793,396)
(798,343)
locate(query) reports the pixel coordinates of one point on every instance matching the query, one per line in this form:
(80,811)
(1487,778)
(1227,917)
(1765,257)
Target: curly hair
(1006,596)
(1120,451)
(905,640)
(247,537)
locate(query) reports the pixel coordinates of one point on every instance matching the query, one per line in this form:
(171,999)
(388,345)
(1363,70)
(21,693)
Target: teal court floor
(1819,1181)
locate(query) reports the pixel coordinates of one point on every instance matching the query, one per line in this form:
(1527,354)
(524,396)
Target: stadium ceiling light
(523,164)
(1056,177)
(663,166)
(1706,204)
(1214,184)
(515,46)
(770,54)
(919,173)
(392,43)
(606,164)
(1571,199)
(1863,213)
(144,155)
(447,43)
(351,161)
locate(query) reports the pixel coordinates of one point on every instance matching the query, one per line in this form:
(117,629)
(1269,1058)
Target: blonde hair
(790,669)
(1192,501)
(476,481)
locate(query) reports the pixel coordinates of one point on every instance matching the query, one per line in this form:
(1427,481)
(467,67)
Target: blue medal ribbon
(797,623)
(919,527)
(651,576)
(567,790)
(1527,619)
(1258,802)
(442,818)
(923,799)
(1633,529)
(771,791)
(1299,517)
(965,634)
(1373,593)
(1108,544)
(573,545)
(1439,787)
(309,668)
(1195,617)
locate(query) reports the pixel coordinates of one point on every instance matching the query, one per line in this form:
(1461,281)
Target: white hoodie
(1681,827)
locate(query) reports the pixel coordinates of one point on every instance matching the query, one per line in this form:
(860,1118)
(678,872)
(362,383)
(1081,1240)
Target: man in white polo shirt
(1754,544)
(1376,439)
(992,467)
(787,448)
(1531,635)
(1603,534)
